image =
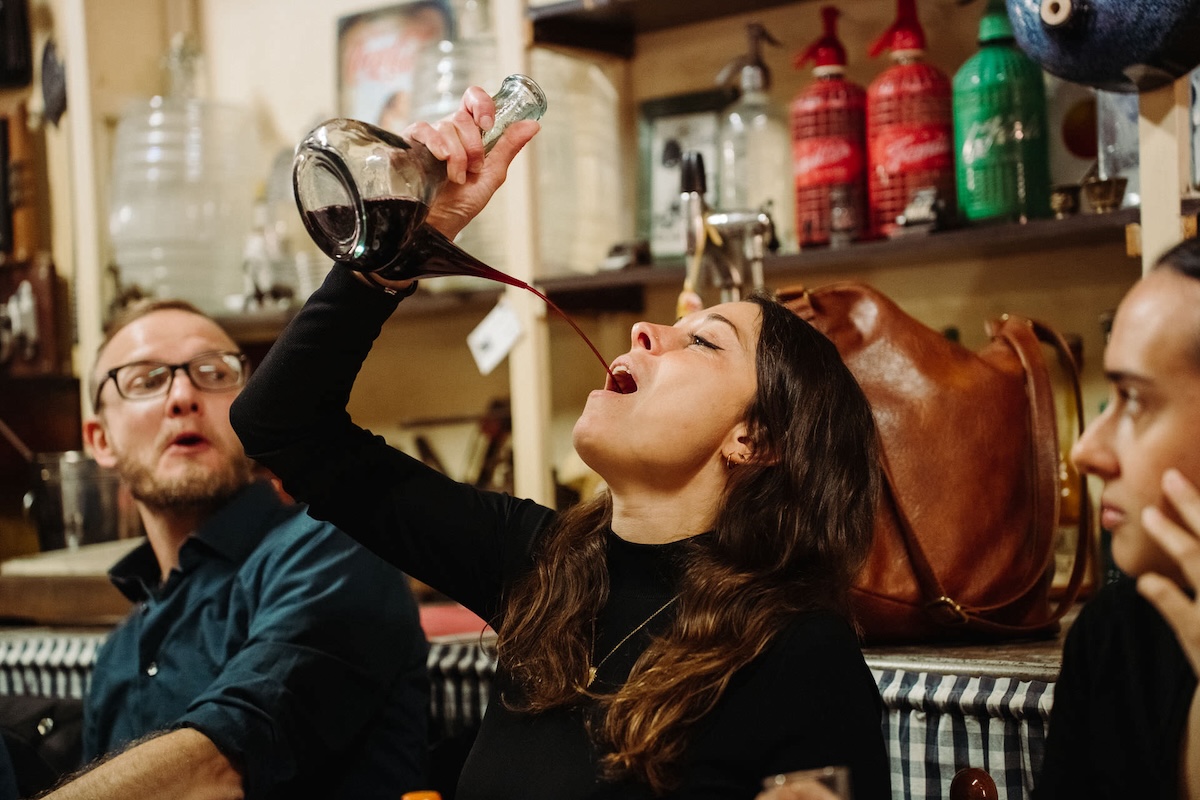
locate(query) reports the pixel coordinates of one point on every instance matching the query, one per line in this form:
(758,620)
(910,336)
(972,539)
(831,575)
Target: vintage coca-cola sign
(377,52)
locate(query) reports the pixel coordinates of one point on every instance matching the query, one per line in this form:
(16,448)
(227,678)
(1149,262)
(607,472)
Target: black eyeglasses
(208,372)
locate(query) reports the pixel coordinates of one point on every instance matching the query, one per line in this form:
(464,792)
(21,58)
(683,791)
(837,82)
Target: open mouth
(188,440)
(621,380)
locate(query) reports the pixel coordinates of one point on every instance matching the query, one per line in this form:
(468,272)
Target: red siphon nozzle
(827,51)
(903,34)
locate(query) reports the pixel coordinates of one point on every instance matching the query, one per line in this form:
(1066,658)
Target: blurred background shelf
(974,242)
(622,290)
(263,327)
(599,290)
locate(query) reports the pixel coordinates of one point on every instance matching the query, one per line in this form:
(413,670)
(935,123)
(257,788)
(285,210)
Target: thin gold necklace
(591,674)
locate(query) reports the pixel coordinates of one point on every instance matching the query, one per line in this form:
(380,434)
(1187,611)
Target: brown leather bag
(965,531)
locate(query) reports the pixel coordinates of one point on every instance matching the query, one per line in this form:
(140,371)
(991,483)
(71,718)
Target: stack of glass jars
(183,184)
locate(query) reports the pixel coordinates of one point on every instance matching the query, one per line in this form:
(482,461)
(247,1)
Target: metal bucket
(74,501)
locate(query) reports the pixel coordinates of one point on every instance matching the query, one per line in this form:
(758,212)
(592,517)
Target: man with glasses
(268,655)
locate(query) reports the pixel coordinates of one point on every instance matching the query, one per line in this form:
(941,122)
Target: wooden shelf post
(1163,165)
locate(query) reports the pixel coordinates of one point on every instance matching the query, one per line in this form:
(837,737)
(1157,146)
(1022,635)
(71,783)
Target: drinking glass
(826,783)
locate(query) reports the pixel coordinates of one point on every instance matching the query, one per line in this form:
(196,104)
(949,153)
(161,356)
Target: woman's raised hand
(458,140)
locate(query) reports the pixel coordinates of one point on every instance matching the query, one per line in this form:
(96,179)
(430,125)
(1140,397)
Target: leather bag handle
(1085,533)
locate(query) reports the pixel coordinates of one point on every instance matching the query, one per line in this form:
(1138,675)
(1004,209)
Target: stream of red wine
(497,275)
(571,322)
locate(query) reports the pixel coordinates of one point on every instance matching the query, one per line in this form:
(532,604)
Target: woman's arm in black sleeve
(295,402)
(292,418)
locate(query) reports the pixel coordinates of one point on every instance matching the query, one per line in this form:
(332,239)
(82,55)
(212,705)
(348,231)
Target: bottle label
(898,149)
(989,138)
(827,160)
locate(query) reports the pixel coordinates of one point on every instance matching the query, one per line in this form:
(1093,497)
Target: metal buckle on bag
(947,611)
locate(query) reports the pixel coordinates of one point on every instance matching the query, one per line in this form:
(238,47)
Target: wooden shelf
(258,328)
(255,327)
(980,241)
(624,290)
(611,26)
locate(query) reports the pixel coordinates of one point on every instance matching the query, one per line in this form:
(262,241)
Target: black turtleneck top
(808,701)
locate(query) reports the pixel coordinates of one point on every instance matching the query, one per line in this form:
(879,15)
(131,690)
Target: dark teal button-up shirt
(295,650)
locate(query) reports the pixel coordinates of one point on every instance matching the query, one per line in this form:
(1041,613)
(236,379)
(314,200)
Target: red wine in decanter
(405,249)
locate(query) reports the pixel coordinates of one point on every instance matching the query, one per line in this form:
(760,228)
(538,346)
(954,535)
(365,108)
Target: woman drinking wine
(685,633)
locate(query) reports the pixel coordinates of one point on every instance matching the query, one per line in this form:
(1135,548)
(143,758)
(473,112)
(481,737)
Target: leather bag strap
(1085,533)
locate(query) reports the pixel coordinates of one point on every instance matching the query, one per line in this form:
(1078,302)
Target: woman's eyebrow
(713,316)
(1127,377)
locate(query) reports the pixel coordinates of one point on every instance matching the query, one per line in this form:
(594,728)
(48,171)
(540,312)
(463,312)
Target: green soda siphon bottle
(1000,137)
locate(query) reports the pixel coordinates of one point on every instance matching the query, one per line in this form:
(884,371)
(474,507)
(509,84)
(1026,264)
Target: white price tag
(494,337)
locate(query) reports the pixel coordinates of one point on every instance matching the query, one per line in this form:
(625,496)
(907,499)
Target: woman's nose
(1093,454)
(646,336)
(655,338)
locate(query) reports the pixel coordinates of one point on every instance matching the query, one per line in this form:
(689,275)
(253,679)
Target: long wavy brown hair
(792,532)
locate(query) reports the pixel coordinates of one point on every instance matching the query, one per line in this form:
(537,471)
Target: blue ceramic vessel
(1115,45)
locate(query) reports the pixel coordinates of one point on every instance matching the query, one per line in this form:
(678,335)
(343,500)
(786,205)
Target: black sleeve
(292,418)
(1064,772)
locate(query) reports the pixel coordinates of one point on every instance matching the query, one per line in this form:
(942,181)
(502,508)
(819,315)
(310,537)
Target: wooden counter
(64,587)
(1024,659)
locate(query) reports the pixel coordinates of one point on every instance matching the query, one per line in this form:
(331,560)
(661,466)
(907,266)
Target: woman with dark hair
(688,632)
(1126,715)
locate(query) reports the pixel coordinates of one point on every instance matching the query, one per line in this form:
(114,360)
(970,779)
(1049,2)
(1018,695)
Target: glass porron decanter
(364,192)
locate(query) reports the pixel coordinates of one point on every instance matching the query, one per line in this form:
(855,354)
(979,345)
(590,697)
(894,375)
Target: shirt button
(152,670)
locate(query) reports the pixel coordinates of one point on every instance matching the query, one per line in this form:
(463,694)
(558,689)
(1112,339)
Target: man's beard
(198,489)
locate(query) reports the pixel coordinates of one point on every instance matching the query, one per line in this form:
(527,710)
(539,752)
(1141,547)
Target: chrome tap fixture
(725,247)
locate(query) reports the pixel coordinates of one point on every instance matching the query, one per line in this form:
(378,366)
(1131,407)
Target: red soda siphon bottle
(910,129)
(829,144)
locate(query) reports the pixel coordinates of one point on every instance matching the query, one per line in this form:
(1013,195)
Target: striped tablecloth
(460,680)
(935,723)
(47,663)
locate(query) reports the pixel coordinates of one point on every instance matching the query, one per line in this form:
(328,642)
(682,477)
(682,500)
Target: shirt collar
(231,533)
